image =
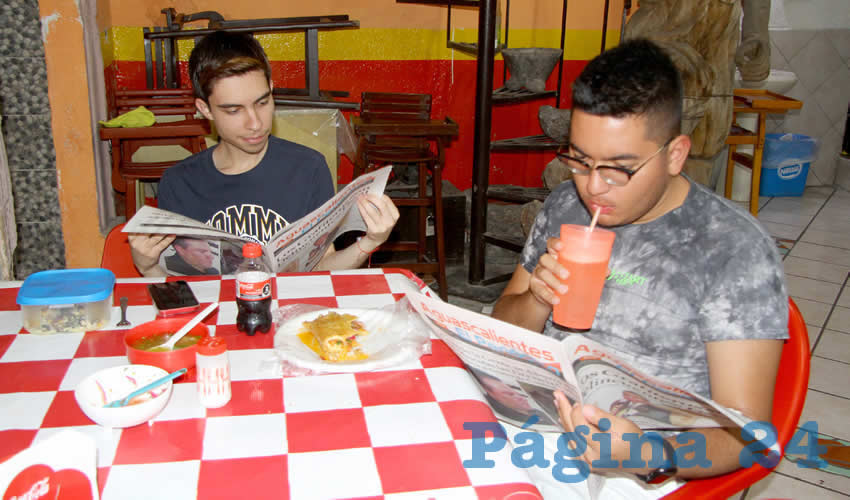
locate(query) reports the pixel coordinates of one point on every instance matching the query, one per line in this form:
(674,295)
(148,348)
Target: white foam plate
(384,343)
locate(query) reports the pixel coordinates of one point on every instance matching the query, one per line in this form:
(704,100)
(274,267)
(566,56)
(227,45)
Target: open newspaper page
(615,387)
(611,385)
(152,220)
(516,369)
(203,249)
(198,249)
(300,245)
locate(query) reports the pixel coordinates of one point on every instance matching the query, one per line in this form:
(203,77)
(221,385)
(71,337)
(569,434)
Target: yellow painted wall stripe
(125,43)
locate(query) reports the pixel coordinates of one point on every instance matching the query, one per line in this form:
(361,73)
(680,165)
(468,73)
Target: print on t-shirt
(253,221)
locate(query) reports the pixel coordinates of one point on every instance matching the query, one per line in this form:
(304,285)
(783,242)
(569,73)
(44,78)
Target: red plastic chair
(116,254)
(792,382)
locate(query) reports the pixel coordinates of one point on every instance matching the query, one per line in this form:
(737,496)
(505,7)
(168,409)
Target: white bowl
(107,385)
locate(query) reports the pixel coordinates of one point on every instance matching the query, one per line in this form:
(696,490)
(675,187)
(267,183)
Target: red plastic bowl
(167,360)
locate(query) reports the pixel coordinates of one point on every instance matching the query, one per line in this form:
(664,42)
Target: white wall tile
(791,42)
(825,165)
(834,95)
(817,60)
(841,41)
(775,124)
(810,119)
(777,59)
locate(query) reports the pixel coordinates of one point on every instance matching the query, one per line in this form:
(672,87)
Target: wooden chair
(792,382)
(188,133)
(396,129)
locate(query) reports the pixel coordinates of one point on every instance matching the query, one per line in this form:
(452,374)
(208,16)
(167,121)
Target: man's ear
(677,153)
(204,108)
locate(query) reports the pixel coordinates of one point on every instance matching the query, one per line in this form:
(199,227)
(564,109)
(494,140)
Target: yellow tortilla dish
(333,337)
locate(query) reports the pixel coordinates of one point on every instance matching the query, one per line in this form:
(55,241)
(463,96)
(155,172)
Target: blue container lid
(66,286)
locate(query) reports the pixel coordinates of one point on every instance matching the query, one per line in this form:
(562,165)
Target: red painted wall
(453,96)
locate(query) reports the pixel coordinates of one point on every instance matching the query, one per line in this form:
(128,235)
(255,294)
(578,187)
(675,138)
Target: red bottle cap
(251,250)
(211,346)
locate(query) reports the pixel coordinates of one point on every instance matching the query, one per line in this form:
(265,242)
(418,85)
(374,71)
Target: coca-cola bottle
(253,292)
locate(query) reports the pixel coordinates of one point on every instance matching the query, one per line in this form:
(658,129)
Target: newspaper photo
(204,249)
(518,369)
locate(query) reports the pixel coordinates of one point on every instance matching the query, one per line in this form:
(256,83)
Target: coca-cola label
(253,285)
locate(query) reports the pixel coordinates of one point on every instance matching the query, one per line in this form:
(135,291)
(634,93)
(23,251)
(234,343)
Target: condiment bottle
(213,370)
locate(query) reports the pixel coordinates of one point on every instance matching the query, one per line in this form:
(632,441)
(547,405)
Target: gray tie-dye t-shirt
(705,271)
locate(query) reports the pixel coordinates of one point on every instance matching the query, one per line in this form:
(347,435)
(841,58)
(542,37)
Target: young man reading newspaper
(696,295)
(250,175)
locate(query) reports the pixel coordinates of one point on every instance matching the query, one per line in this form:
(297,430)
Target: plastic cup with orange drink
(585,251)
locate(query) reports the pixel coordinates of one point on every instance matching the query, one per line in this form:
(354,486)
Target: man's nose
(596,184)
(253,120)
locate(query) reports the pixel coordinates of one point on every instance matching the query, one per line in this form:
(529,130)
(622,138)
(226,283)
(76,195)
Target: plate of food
(347,340)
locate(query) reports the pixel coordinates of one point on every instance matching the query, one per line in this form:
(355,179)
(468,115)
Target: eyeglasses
(611,174)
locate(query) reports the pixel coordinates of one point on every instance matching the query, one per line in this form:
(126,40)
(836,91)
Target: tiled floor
(817,268)
(816,228)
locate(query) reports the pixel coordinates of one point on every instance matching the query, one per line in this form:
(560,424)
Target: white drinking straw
(595,218)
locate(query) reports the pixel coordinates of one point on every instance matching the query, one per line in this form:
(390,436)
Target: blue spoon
(118,403)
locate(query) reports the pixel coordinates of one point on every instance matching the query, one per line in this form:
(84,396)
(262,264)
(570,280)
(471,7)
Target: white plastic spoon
(169,344)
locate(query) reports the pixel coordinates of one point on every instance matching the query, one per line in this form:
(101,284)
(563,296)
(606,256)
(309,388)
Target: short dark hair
(637,78)
(222,54)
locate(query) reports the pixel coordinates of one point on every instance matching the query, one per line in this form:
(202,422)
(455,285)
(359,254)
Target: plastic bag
(397,335)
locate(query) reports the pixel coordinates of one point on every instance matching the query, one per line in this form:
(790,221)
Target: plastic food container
(67,300)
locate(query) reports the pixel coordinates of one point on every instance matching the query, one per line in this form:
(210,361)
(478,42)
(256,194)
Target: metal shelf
(516,194)
(468,48)
(505,95)
(505,241)
(528,143)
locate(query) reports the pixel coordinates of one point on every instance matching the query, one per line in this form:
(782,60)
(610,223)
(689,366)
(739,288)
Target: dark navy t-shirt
(706,271)
(289,182)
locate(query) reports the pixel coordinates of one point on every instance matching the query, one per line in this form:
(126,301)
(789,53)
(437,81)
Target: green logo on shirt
(625,279)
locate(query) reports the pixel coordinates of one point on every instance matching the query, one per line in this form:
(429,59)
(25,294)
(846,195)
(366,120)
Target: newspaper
(297,247)
(518,369)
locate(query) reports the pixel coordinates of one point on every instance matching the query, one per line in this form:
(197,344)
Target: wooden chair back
(390,106)
(161,102)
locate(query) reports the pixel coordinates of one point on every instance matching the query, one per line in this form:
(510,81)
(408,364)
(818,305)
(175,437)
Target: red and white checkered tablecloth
(394,433)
